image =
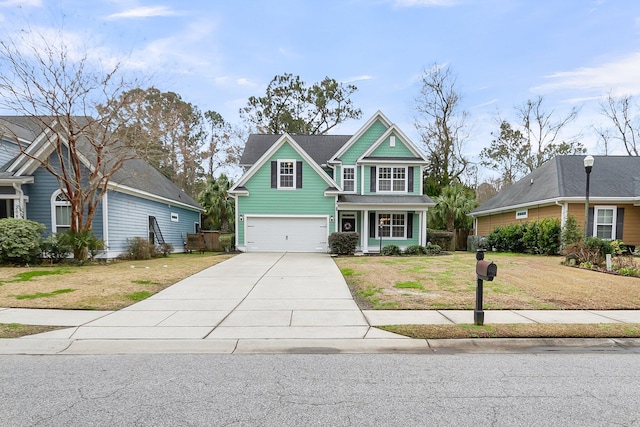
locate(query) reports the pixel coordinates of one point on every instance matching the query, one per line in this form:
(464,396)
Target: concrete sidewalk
(254,303)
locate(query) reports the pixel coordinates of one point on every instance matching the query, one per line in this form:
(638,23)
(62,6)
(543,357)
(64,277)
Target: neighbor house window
(61,212)
(392,179)
(522,214)
(604,225)
(394,225)
(286,174)
(349,178)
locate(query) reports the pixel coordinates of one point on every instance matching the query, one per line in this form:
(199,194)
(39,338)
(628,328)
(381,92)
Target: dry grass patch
(524,282)
(106,286)
(15,330)
(604,330)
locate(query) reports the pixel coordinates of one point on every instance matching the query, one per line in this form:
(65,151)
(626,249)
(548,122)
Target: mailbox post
(485,270)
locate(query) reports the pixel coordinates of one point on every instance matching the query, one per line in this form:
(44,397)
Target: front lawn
(524,282)
(101,286)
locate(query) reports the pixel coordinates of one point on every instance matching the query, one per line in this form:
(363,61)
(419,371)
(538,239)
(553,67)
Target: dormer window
(349,178)
(392,179)
(286,174)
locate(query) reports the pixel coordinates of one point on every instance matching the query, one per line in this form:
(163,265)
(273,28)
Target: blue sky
(216,54)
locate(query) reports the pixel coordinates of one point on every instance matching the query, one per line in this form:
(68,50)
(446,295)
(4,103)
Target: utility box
(486,270)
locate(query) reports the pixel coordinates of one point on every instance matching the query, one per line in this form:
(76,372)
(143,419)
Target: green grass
(144,282)
(44,294)
(28,275)
(347,272)
(409,285)
(139,296)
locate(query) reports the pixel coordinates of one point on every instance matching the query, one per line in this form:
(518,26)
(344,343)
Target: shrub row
(394,250)
(139,248)
(538,237)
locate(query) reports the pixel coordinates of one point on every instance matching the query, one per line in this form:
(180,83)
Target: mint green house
(298,189)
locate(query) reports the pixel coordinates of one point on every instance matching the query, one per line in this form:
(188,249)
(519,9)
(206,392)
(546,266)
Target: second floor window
(392,179)
(349,178)
(286,174)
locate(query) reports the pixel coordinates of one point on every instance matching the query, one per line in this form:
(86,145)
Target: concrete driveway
(251,296)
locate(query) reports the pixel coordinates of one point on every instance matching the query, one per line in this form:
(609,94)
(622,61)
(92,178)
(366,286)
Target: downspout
(19,210)
(563,213)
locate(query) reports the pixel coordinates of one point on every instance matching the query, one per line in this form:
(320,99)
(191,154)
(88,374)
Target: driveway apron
(250,296)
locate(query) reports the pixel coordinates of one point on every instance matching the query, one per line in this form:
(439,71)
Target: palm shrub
(20,240)
(57,247)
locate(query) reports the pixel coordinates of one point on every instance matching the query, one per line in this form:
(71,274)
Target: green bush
(415,250)
(343,243)
(227,242)
(57,246)
(83,243)
(444,239)
(432,249)
(391,250)
(571,234)
(20,240)
(538,237)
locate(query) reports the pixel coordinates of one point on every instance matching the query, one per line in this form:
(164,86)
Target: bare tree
(57,93)
(542,131)
(507,154)
(622,112)
(442,128)
(225,142)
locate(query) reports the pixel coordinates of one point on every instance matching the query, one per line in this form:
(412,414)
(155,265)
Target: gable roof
(393,129)
(319,147)
(378,116)
(136,176)
(563,178)
(266,155)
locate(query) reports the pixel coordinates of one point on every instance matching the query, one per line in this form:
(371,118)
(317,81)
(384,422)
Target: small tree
(219,205)
(453,204)
(59,95)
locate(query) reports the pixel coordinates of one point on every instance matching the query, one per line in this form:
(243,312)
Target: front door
(348,223)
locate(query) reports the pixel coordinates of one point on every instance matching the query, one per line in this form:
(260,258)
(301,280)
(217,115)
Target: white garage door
(286,234)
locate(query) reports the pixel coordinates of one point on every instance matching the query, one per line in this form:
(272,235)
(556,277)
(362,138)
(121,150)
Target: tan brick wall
(631,230)
(487,224)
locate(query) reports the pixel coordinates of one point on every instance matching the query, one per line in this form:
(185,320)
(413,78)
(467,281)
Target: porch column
(364,235)
(19,205)
(423,228)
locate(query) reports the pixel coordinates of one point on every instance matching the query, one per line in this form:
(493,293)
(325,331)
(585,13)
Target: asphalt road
(586,389)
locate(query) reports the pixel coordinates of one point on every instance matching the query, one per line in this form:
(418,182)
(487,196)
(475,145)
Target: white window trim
(353,168)
(292,161)
(390,237)
(54,203)
(392,167)
(522,214)
(614,219)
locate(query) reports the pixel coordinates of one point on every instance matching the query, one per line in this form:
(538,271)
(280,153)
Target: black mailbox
(486,270)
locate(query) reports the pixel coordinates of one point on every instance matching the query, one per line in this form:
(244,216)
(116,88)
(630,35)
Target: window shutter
(372,225)
(590,223)
(619,223)
(410,179)
(298,174)
(274,174)
(373,179)
(410,225)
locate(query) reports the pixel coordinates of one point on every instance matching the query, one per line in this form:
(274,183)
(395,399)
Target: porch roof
(408,201)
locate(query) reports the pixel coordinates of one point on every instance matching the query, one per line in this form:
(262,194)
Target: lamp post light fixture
(588,165)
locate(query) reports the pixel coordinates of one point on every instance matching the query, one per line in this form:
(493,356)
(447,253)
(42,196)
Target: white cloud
(144,12)
(358,78)
(620,77)
(21,3)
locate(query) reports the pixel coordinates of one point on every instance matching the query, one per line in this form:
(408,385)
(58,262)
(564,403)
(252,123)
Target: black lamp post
(380,225)
(588,164)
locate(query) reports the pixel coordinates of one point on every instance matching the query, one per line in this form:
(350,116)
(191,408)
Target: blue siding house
(139,201)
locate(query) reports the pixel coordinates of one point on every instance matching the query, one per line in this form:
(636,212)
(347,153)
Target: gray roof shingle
(565,177)
(134,173)
(320,147)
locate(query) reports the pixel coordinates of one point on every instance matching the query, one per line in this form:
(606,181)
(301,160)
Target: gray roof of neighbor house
(565,177)
(134,173)
(320,147)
